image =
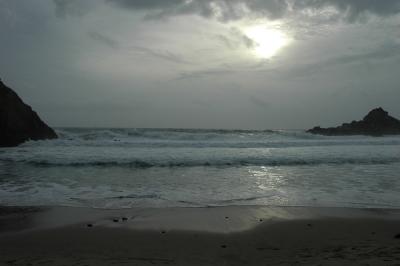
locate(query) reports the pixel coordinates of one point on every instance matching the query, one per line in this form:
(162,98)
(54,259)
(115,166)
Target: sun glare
(267,42)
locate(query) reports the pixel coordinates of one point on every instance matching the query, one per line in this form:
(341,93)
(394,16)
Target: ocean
(124,168)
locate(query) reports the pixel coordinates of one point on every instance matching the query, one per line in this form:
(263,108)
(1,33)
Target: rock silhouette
(18,122)
(377,122)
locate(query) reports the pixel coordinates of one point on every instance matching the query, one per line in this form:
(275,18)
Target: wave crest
(143,164)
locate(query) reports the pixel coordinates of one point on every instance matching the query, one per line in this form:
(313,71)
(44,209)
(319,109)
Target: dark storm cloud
(273,9)
(227,10)
(147,4)
(353,9)
(222,9)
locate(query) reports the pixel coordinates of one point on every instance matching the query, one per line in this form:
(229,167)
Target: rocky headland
(18,122)
(377,122)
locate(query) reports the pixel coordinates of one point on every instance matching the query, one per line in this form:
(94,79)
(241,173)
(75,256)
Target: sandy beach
(235,235)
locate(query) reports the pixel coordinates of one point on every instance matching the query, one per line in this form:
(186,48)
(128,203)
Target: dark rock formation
(376,123)
(18,122)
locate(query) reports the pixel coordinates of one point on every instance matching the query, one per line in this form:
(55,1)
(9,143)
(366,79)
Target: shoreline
(231,235)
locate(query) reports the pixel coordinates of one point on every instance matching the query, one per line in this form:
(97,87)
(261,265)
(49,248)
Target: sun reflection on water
(266,179)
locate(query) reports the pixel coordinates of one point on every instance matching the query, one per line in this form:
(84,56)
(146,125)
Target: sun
(267,42)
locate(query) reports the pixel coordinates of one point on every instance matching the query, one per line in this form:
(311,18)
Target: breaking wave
(146,148)
(199,138)
(192,162)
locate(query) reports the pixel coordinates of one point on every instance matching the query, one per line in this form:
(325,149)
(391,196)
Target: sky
(256,64)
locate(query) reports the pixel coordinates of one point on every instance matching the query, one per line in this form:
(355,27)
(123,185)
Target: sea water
(122,168)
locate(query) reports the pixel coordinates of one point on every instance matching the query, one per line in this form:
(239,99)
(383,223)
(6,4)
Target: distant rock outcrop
(18,122)
(376,123)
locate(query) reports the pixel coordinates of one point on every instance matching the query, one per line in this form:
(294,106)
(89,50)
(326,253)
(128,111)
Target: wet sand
(236,235)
